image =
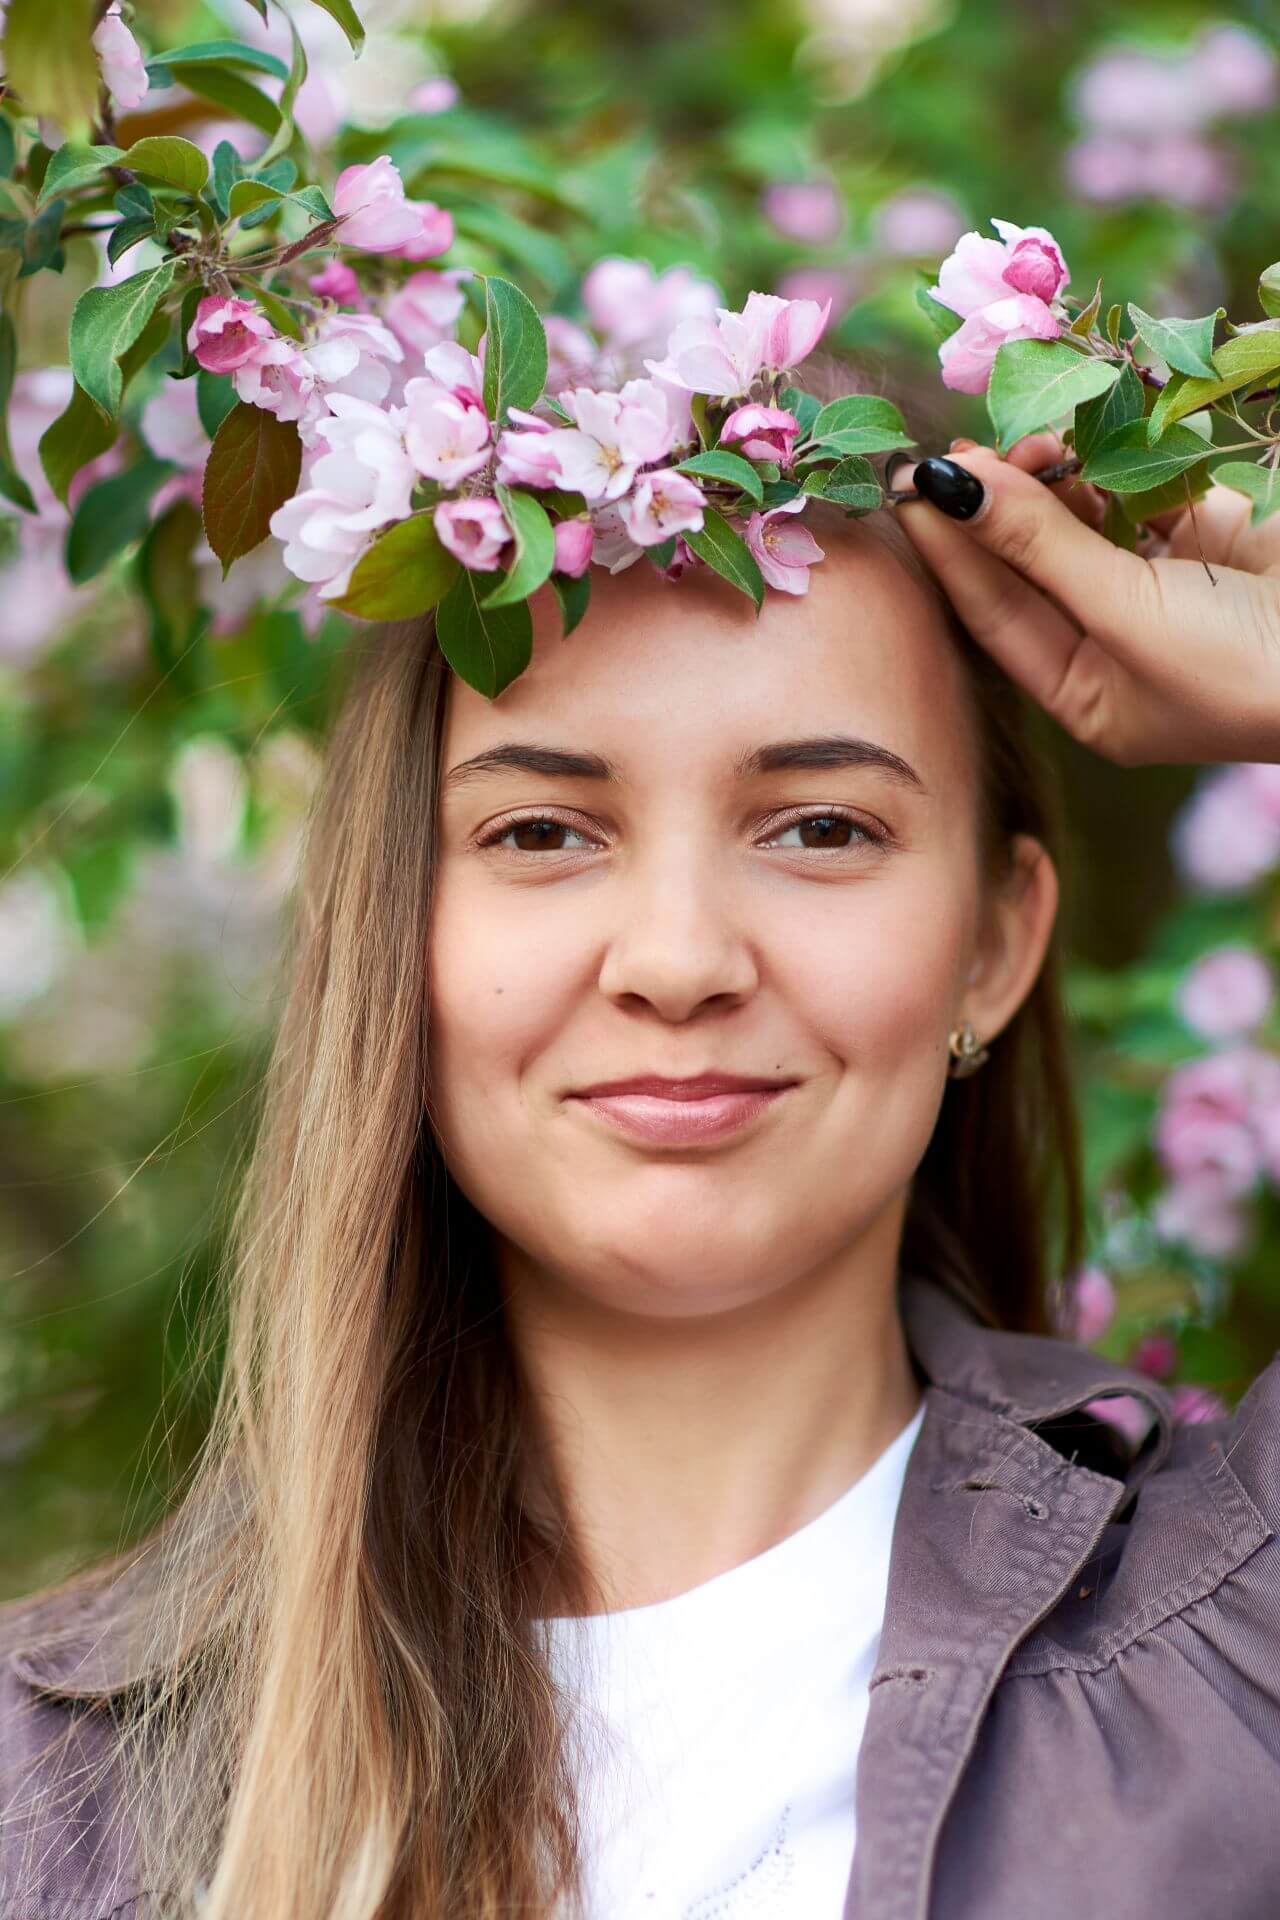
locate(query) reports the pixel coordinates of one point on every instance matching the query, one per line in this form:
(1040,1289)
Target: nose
(676,938)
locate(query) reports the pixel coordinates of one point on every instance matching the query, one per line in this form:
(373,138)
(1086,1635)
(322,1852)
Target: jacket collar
(1025,1379)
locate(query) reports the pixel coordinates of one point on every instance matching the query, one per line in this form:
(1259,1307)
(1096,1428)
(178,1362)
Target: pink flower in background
(1227,835)
(336,281)
(634,308)
(783,551)
(361,483)
(435,95)
(836,287)
(1205,1213)
(424,310)
(807,210)
(662,504)
(1236,68)
(1227,993)
(1155,1354)
(434,234)
(1128,1416)
(1193,1405)
(1206,1123)
(571,354)
(917,220)
(761,433)
(375,214)
(124,72)
(574,541)
(445,439)
(227,331)
(474,531)
(1091,1305)
(170,424)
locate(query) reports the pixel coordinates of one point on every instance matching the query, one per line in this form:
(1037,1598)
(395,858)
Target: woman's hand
(1145,659)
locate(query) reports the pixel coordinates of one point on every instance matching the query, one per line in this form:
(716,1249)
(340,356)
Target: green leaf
(163,156)
(289,94)
(81,431)
(226,170)
(8,147)
(535,542)
(39,240)
(857,440)
(215,397)
(515,366)
(169,581)
(663,554)
(1240,362)
(252,469)
(1187,345)
(134,202)
(851,483)
(345,14)
(222,53)
(1035,382)
(1177,492)
(50,62)
(943,321)
(486,646)
(861,412)
(404,573)
(1269,291)
(720,464)
(111,516)
(129,233)
(12,485)
(245,195)
(1260,484)
(529,246)
(728,553)
(1126,462)
(574,597)
(1096,418)
(804,406)
(278,312)
(230,91)
(74,165)
(105,322)
(1083,322)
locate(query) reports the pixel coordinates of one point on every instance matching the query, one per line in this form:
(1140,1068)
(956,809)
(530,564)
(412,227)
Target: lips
(703,1086)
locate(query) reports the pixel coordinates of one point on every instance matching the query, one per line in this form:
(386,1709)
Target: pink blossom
(459,373)
(474,531)
(425,309)
(1091,1305)
(1122,1411)
(435,95)
(336,281)
(1205,1213)
(634,308)
(1136,90)
(1190,172)
(917,220)
(761,433)
(349,353)
(1192,1406)
(571,354)
(170,425)
(805,210)
(574,541)
(531,458)
(1155,1354)
(783,552)
(1207,1114)
(1237,69)
(370,201)
(613,436)
(361,483)
(612,546)
(124,72)
(446,440)
(968,356)
(1227,835)
(434,234)
(1229,992)
(660,505)
(723,357)
(227,331)
(835,287)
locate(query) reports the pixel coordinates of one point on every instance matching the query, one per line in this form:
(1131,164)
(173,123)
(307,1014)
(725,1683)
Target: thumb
(1109,592)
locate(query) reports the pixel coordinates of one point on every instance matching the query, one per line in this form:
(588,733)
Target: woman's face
(767,868)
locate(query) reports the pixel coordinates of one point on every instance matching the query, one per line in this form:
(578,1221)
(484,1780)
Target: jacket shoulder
(63,1850)
(1199,1546)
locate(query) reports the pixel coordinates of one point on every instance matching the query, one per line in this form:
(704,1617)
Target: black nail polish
(949,486)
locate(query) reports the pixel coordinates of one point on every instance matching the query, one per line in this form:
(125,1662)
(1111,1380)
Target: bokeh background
(154,780)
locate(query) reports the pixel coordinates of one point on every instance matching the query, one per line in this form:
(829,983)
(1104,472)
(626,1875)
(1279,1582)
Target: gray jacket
(1076,1707)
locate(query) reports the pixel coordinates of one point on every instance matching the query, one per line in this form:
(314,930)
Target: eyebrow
(822,753)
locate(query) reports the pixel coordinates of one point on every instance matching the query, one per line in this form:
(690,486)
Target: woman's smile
(663,1120)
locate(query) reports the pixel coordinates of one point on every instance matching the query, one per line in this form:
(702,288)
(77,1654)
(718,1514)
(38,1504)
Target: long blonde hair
(339,1707)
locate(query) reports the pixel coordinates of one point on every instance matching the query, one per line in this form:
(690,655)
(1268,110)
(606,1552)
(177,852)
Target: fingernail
(950,487)
(893,466)
(961,446)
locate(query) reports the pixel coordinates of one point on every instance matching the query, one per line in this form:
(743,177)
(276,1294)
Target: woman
(600,1476)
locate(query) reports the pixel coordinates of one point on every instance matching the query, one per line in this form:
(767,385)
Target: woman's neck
(684,1447)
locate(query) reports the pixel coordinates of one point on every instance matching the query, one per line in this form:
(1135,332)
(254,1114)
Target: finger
(1107,591)
(1037,451)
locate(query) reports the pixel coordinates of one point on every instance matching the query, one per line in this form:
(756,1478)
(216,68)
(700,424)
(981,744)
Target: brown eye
(828,833)
(537,834)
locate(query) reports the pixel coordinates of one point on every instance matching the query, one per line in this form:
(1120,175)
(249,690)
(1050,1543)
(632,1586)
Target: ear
(1013,940)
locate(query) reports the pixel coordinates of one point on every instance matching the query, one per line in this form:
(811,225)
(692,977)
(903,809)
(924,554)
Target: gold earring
(967,1052)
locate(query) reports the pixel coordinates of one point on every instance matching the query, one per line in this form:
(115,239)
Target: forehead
(673,676)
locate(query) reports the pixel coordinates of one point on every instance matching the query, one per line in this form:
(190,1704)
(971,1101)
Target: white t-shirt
(721,1728)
